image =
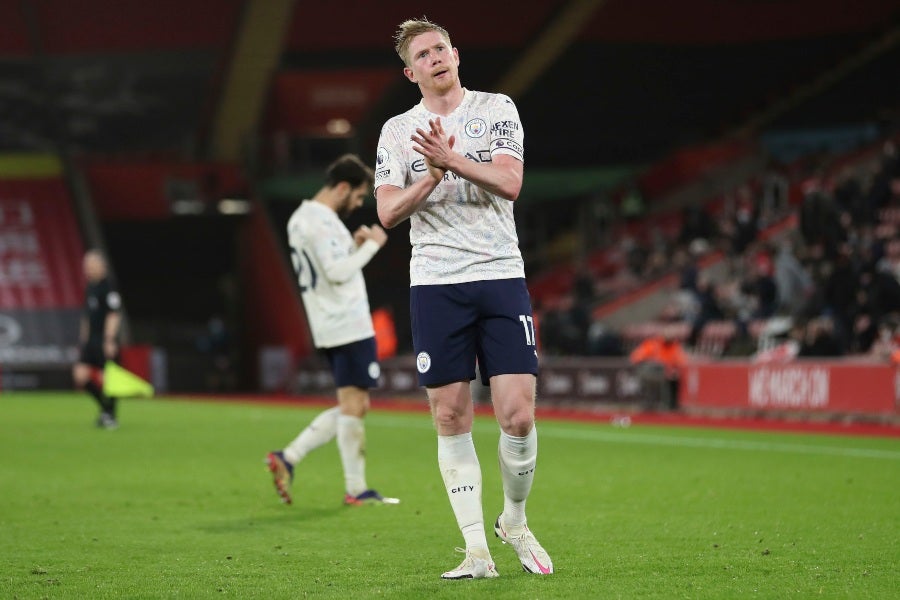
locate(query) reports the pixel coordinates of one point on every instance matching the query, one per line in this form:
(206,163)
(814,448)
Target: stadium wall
(803,388)
(809,387)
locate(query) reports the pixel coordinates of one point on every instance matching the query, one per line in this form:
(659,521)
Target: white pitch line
(717,443)
(649,439)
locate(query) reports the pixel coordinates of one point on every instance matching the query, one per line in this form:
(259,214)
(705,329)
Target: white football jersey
(462,232)
(329,266)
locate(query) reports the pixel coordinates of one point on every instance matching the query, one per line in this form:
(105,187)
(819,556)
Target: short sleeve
(506,134)
(389,166)
(113,300)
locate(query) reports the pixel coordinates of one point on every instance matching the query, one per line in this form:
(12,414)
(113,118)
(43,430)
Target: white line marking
(649,439)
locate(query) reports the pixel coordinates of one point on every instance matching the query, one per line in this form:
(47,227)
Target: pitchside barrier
(798,387)
(801,386)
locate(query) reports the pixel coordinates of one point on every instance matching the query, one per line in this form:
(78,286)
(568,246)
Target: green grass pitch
(177,504)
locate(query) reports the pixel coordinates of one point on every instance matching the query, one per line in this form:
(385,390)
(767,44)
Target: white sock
(518,456)
(319,432)
(462,478)
(351,441)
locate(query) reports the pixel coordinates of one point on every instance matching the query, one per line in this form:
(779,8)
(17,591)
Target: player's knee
(79,376)
(448,417)
(354,401)
(361,407)
(518,422)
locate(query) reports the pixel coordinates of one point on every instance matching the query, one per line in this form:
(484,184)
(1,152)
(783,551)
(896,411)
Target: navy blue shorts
(354,364)
(455,324)
(93,355)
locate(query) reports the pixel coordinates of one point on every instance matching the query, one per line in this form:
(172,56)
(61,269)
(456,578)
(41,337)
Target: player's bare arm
(502,176)
(396,204)
(110,334)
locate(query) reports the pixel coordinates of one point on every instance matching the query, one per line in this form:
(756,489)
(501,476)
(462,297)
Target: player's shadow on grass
(289,516)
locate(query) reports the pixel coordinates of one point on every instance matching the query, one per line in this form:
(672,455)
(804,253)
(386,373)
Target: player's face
(354,199)
(94,267)
(433,64)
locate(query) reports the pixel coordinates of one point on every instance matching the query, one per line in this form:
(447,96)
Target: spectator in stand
(819,339)
(696,224)
(659,361)
(583,284)
(762,287)
(849,196)
(793,282)
(656,266)
(882,290)
(864,334)
(820,221)
(688,272)
(746,221)
(604,341)
(635,255)
(775,192)
(560,334)
(839,295)
(885,344)
(632,206)
(885,186)
(709,309)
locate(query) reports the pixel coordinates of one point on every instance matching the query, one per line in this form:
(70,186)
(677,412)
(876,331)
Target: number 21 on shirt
(306,278)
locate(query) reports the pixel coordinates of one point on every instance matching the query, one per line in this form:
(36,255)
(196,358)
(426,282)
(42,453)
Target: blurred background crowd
(724,173)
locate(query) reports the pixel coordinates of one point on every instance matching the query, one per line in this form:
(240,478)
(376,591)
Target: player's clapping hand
(436,147)
(359,236)
(374,233)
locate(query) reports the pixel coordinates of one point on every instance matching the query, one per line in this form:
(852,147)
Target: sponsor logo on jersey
(418,165)
(423,362)
(480,156)
(382,174)
(504,128)
(382,156)
(476,128)
(510,144)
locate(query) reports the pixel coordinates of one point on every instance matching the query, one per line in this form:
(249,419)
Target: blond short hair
(411,28)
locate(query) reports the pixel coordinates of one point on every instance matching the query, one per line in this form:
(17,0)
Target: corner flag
(122,383)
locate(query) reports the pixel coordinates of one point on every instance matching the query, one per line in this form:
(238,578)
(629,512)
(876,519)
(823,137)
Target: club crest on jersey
(374,370)
(476,128)
(382,156)
(423,362)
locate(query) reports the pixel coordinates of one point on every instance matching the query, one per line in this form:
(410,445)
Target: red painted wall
(800,386)
(272,312)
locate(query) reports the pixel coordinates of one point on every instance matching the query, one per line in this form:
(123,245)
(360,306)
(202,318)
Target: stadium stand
(40,291)
(644,172)
(820,236)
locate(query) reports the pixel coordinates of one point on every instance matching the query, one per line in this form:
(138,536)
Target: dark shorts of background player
(455,324)
(92,354)
(354,364)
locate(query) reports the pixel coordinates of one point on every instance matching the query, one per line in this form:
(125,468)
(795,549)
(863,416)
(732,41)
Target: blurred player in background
(453,165)
(98,336)
(328,261)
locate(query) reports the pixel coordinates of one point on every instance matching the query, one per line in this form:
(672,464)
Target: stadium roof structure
(596,81)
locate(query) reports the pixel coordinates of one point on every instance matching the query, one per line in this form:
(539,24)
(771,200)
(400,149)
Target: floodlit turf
(178,504)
